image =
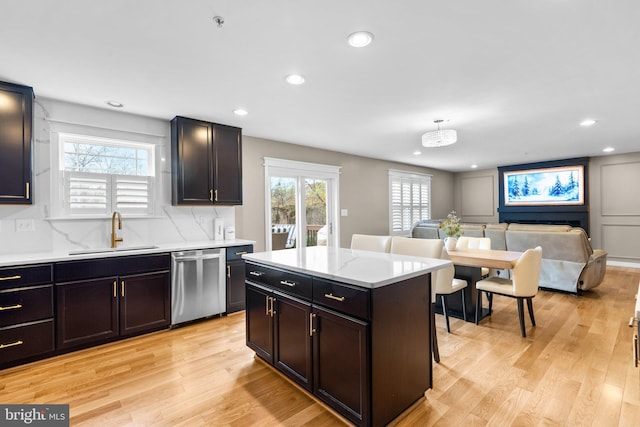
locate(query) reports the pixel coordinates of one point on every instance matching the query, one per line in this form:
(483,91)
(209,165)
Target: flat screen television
(553,186)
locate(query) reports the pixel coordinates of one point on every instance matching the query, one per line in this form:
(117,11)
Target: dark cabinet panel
(16,117)
(235,277)
(26,340)
(292,339)
(26,304)
(191,154)
(341,382)
(86,312)
(259,321)
(206,163)
(227,169)
(144,302)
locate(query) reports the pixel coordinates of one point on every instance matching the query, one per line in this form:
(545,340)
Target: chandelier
(440,137)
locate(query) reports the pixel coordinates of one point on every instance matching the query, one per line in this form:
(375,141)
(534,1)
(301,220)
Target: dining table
(468,265)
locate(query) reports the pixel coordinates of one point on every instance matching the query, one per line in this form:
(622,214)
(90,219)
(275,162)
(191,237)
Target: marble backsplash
(30,228)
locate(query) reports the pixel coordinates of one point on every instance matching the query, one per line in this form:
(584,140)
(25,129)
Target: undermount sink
(107,250)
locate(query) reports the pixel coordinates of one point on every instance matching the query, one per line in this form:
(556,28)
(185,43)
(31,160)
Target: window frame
(397,211)
(60,206)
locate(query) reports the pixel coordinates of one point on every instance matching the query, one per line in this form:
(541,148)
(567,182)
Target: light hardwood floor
(574,368)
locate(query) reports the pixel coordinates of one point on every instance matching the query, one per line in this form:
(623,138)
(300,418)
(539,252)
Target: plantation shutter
(409,200)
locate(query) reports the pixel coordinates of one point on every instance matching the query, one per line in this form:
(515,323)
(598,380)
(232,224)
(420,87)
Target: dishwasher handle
(196,257)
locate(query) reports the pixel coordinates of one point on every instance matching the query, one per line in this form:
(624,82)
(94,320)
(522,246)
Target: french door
(301,204)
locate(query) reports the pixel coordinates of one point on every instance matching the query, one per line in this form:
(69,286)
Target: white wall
(170,224)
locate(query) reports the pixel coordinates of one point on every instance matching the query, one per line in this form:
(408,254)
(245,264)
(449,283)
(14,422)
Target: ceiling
(514,78)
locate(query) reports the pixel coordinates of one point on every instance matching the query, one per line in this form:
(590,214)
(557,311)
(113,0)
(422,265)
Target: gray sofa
(569,263)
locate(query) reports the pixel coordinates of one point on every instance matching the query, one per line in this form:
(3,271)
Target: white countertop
(56,256)
(361,268)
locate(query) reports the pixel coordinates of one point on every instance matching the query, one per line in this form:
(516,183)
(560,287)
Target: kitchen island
(350,327)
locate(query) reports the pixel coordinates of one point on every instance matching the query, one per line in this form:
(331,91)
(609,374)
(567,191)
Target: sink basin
(107,250)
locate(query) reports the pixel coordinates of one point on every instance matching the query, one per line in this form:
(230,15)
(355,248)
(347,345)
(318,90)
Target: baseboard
(623,264)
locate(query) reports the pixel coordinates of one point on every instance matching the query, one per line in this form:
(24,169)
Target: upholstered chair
(522,286)
(466,242)
(367,242)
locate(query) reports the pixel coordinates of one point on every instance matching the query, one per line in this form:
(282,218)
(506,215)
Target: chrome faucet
(114,238)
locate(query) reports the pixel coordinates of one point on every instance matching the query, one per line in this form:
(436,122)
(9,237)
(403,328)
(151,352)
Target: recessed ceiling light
(294,79)
(474,166)
(608,149)
(417,153)
(115,104)
(587,122)
(360,38)
(240,112)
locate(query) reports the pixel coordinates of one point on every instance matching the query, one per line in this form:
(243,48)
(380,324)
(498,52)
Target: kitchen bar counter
(123,250)
(350,327)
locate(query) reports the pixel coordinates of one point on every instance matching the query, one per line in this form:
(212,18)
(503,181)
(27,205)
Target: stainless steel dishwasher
(198,286)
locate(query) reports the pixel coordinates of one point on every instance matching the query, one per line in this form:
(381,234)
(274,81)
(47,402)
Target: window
(97,176)
(409,200)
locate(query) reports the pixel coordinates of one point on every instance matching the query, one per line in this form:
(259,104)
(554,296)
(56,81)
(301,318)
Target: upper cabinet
(206,163)
(16,118)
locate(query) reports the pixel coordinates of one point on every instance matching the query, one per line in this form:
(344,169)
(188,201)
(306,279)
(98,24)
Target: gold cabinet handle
(122,288)
(11,307)
(287,283)
(27,189)
(256,273)
(13,344)
(241,253)
(229,271)
(312,316)
(333,297)
(211,195)
(216,195)
(273,311)
(266,305)
(115,289)
(16,277)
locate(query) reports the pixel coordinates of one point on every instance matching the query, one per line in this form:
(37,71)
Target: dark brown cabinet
(235,277)
(93,307)
(278,330)
(206,163)
(16,122)
(26,313)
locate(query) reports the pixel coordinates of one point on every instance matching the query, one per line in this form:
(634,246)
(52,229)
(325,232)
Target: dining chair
(368,242)
(466,242)
(522,286)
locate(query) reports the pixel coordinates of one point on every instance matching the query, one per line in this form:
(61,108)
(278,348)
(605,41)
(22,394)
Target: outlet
(25,224)
(344,212)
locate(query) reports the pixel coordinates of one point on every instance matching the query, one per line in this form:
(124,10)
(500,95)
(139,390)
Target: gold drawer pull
(331,296)
(13,344)
(16,277)
(241,253)
(11,307)
(256,273)
(287,283)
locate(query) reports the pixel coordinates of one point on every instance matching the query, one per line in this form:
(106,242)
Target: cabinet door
(227,169)
(259,321)
(191,166)
(235,286)
(16,115)
(87,312)
(341,366)
(292,339)
(144,302)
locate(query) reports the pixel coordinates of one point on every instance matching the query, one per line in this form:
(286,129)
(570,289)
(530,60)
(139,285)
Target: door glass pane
(283,213)
(316,207)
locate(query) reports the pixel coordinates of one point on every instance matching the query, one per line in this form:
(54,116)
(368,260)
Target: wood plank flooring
(575,368)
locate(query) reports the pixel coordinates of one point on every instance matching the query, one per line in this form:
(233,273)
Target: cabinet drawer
(236,252)
(343,298)
(15,277)
(69,271)
(26,305)
(26,340)
(285,281)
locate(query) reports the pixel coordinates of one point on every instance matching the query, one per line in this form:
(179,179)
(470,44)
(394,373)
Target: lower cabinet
(321,350)
(93,310)
(235,277)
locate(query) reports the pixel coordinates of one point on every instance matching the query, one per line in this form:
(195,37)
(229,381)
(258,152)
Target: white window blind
(99,176)
(409,200)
